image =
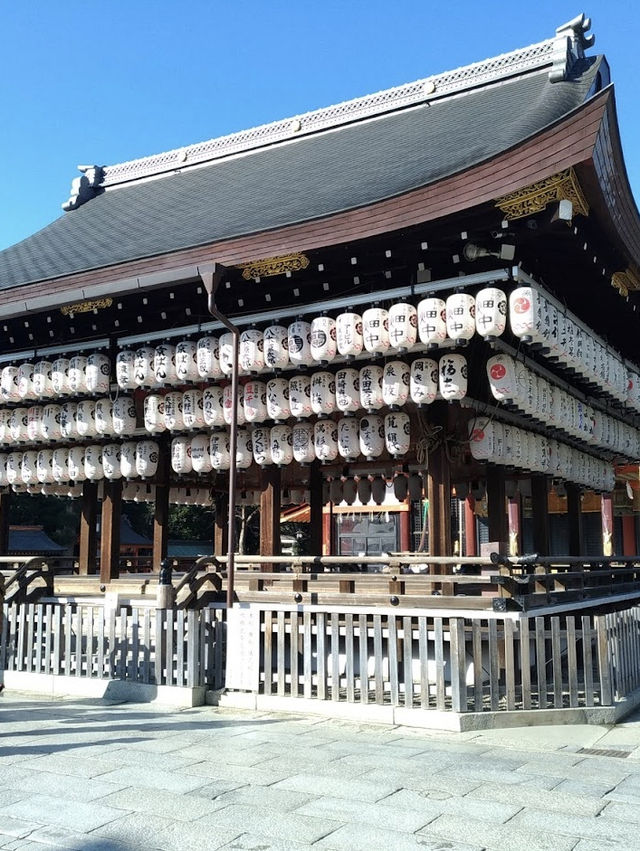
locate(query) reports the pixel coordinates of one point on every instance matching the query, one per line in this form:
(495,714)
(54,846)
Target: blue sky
(104,81)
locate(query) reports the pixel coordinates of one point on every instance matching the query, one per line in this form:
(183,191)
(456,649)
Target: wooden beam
(540,514)
(88,545)
(270,513)
(439,495)
(110,530)
(470,540)
(574,516)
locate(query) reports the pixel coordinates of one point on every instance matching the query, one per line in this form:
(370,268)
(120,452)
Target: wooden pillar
(629,535)
(405,527)
(270,513)
(5,505)
(574,516)
(540,514)
(470,540)
(514,514)
(439,495)
(497,507)
(606,512)
(316,537)
(110,530)
(327,531)
(88,536)
(221,525)
(161,507)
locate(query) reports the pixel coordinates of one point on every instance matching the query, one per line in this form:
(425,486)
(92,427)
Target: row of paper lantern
(68,421)
(131,492)
(324,440)
(536,320)
(513,382)
(62,377)
(365,489)
(498,443)
(131,459)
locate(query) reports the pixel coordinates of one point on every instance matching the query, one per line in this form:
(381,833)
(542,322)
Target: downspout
(211,277)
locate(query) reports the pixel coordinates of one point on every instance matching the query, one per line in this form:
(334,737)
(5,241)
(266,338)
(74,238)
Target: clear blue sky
(90,81)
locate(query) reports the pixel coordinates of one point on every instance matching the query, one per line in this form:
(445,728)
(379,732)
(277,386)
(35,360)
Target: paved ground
(87,775)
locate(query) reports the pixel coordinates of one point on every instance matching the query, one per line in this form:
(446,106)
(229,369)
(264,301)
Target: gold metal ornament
(535,197)
(86,306)
(625,281)
(274,266)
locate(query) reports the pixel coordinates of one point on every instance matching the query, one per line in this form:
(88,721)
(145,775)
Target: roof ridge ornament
(569,46)
(84,188)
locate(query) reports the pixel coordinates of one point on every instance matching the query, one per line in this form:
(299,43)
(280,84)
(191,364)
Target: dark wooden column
(110,530)
(629,535)
(574,516)
(540,514)
(315,509)
(221,525)
(270,513)
(88,536)
(514,514)
(606,511)
(439,495)
(470,541)
(161,508)
(5,505)
(497,507)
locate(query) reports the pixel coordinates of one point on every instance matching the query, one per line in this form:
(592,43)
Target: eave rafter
(534,198)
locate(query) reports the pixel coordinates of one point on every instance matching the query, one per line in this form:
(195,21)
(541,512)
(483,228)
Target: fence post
(458,665)
(604,664)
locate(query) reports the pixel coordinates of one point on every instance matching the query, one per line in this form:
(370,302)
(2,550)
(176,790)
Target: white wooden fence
(142,645)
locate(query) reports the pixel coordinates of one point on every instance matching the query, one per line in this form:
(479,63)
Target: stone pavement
(88,775)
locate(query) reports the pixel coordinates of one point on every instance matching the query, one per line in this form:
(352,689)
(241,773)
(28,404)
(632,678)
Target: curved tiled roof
(300,179)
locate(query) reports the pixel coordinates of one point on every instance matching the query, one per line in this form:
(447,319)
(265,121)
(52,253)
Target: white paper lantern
(432,321)
(51,420)
(277,391)
(501,371)
(5,434)
(397,433)
(111,461)
(86,418)
(98,373)
(299,343)
(395,383)
(225,352)
(125,370)
(44,466)
(9,384)
(76,464)
(524,314)
(28,467)
(164,364)
(219,450)
(34,423)
(18,423)
(323,339)
(461,316)
(93,469)
(124,415)
(128,460)
(349,341)
(104,417)
(276,347)
(528,392)
(491,312)
(452,371)
(60,464)
(370,381)
(423,381)
(281,445)
(375,330)
(227,405)
(25,381)
(403,326)
(143,365)
(349,438)
(323,393)
(60,376)
(153,413)
(261,440)
(303,447)
(347,383)
(200,455)
(77,374)
(42,386)
(300,396)
(192,409)
(244,449)
(147,455)
(186,361)
(481,438)
(68,421)
(255,401)
(14,468)
(251,350)
(212,409)
(371,436)
(325,440)
(208,357)
(173,411)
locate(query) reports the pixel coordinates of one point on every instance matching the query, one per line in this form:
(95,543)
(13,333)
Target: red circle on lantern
(477,435)
(521,305)
(498,371)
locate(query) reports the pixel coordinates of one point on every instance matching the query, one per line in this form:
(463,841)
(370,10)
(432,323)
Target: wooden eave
(575,140)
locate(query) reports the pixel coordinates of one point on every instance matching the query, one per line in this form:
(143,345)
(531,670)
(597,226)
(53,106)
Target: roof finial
(570,44)
(84,188)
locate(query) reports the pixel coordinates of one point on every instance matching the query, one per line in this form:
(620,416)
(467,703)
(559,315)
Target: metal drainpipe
(211,277)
